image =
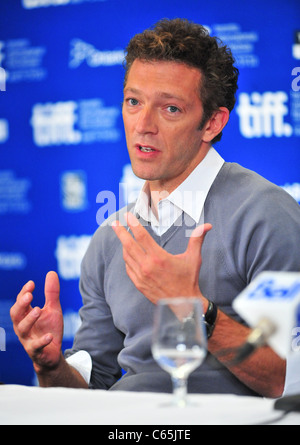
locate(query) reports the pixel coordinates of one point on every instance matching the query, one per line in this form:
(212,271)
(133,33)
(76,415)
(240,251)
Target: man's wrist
(45,370)
(59,375)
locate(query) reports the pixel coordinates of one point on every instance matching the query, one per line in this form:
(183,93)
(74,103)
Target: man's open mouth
(146,149)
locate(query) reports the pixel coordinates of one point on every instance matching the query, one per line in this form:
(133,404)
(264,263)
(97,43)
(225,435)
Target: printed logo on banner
(29,4)
(85,52)
(242,43)
(296,79)
(4,131)
(5,321)
(2,340)
(2,70)
(74,191)
(22,61)
(12,261)
(72,323)
(293,190)
(2,79)
(74,122)
(14,193)
(295,99)
(2,54)
(69,253)
(296,46)
(262,115)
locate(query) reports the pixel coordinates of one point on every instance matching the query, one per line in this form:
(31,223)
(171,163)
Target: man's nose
(146,122)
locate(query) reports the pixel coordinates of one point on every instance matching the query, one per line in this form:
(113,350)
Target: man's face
(162,112)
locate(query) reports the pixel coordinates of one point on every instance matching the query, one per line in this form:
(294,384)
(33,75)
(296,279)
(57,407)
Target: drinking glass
(179,342)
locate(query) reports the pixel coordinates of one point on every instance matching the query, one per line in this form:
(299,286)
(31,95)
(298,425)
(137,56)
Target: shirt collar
(191,194)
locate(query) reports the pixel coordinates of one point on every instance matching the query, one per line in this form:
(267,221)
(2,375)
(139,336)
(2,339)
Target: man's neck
(161,189)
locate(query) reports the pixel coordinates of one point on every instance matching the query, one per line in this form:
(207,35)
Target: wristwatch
(210,318)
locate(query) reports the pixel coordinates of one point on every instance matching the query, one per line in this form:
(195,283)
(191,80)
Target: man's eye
(132,102)
(172,109)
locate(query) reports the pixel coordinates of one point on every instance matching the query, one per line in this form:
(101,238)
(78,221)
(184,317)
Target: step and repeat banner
(63,159)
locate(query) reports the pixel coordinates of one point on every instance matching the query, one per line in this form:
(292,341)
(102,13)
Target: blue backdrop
(62,147)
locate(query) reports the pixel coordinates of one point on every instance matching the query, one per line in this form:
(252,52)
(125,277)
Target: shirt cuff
(82,362)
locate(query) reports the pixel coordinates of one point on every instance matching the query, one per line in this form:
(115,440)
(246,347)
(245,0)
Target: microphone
(271,305)
(257,338)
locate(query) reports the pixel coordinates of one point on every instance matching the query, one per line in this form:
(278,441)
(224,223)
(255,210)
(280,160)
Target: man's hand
(155,272)
(40,330)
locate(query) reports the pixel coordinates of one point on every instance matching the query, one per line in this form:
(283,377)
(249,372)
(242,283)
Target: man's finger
(52,289)
(21,308)
(25,326)
(128,242)
(141,235)
(38,344)
(28,287)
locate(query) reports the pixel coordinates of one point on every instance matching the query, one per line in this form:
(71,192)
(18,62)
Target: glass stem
(179,391)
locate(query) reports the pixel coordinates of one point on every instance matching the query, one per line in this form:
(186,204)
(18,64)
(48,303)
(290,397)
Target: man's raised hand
(40,330)
(155,272)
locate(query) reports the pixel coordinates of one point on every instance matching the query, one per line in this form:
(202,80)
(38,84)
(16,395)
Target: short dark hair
(180,40)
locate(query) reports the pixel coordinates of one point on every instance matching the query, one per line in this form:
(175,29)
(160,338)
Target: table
(21,405)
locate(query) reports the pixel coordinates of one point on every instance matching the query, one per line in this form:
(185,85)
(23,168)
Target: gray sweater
(256,227)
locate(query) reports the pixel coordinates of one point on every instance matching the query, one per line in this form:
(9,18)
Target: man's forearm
(263,372)
(63,375)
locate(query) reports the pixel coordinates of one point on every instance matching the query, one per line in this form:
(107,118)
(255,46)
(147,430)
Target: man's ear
(215,124)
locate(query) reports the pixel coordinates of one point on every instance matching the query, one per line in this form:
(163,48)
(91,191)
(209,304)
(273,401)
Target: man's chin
(146,176)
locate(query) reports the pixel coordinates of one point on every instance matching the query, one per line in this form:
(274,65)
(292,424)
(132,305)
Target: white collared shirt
(189,197)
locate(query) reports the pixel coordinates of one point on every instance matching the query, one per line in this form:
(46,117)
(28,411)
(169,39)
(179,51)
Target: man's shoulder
(244,184)
(235,173)
(245,198)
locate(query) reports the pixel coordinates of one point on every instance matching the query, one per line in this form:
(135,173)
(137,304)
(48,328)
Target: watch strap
(210,318)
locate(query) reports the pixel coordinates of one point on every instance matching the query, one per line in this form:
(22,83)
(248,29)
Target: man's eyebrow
(160,94)
(170,96)
(131,90)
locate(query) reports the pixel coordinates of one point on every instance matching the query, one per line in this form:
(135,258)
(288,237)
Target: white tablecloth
(21,405)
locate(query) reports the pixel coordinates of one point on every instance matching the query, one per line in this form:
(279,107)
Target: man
(179,90)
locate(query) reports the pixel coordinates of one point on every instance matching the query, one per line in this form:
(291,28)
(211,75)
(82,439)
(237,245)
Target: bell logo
(262,115)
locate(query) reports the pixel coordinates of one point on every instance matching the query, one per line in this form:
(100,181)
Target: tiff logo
(2,79)
(2,340)
(262,115)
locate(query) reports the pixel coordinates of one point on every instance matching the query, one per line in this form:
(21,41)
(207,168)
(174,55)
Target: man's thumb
(52,288)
